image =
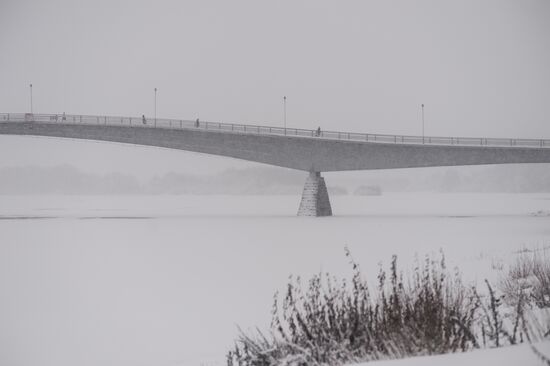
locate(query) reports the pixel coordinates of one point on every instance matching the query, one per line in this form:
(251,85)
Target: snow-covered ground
(165,280)
(522,355)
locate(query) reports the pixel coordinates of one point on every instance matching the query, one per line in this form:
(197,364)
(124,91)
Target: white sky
(480,67)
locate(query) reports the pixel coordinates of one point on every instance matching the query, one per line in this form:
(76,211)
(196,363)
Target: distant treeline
(66,179)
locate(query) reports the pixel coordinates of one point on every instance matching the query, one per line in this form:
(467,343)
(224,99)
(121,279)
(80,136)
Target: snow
(506,356)
(165,280)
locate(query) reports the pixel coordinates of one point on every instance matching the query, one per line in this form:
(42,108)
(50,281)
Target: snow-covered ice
(165,280)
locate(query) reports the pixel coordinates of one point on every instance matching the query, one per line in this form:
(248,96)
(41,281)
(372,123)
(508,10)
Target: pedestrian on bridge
(318,131)
(197,123)
(143,120)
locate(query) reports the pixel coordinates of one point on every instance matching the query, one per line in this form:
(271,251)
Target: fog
(480,67)
(263,180)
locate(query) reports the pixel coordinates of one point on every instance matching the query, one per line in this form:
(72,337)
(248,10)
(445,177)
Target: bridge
(312,151)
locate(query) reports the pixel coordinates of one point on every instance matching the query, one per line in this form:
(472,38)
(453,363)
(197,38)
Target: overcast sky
(480,67)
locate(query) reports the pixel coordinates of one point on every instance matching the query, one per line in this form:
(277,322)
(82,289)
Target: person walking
(143,120)
(197,123)
(318,131)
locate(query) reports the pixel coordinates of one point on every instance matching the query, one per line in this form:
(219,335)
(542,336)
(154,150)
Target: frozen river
(165,280)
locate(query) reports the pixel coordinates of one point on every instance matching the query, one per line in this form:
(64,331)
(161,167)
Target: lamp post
(284,111)
(422,123)
(155,107)
(30,86)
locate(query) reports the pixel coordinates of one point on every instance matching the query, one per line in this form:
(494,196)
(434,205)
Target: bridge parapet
(180,124)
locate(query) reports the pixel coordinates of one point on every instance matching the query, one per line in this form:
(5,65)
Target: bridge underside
(308,154)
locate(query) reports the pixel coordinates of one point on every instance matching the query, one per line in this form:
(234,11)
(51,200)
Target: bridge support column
(315,201)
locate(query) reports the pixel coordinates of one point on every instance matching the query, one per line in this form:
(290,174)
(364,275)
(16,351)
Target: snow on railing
(267,130)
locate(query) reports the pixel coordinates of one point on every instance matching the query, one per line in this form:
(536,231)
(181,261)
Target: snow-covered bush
(332,322)
(529,277)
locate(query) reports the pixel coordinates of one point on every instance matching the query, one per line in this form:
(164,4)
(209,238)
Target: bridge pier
(315,200)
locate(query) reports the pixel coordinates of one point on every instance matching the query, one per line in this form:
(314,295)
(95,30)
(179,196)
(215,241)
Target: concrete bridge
(309,150)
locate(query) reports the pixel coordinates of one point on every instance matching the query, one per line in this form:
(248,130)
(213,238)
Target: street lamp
(30,86)
(155,107)
(284,111)
(422,123)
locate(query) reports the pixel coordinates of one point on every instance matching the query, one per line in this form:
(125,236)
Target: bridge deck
(180,124)
(301,149)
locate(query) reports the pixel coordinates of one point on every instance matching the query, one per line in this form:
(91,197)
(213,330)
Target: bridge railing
(140,122)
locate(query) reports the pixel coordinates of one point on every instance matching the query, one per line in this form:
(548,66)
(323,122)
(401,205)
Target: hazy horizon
(266,180)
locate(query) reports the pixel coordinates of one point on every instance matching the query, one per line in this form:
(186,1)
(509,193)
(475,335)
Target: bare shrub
(328,321)
(529,275)
(333,322)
